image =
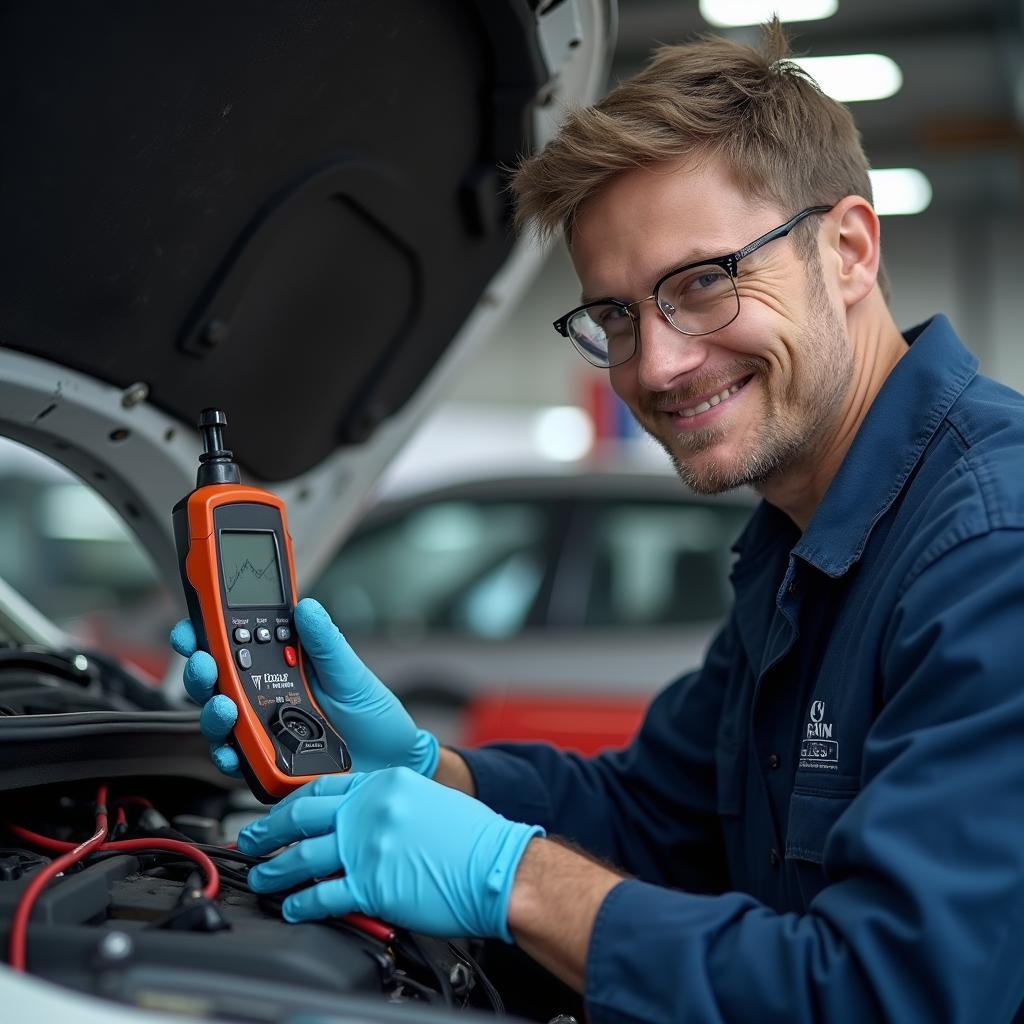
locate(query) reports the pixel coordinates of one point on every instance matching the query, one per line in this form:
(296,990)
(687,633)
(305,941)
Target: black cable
(166,860)
(425,992)
(226,854)
(239,880)
(497,1003)
(232,882)
(166,857)
(227,872)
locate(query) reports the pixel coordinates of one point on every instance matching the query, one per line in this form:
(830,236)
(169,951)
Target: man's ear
(854,237)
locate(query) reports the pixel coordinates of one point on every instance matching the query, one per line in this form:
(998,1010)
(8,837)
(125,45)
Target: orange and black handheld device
(235,555)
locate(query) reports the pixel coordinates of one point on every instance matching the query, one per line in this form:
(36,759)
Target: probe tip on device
(217,463)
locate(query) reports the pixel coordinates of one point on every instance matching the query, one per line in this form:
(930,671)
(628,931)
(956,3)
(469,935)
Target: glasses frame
(729,263)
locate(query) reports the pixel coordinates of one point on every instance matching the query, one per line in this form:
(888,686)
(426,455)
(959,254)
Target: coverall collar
(902,420)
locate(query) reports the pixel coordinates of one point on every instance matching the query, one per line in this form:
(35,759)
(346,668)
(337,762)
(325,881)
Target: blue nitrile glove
(377,729)
(414,853)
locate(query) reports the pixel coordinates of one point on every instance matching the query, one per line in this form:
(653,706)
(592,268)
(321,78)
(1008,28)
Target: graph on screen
(252,574)
(248,569)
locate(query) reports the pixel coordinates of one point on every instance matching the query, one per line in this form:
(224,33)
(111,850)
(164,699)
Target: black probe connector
(217,464)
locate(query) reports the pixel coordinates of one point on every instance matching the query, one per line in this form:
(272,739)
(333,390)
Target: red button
(290,656)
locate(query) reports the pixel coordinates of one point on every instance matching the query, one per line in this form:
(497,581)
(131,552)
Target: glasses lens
(699,300)
(603,333)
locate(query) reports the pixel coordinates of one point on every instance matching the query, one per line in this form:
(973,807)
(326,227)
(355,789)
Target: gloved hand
(377,729)
(414,853)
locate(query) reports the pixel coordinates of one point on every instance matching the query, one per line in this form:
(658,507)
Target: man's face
(780,370)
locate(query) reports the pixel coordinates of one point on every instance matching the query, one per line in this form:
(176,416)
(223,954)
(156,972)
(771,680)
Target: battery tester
(235,556)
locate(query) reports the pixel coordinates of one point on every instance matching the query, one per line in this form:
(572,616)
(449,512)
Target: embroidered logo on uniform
(817,748)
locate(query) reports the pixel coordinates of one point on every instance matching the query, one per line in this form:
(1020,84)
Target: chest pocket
(813,811)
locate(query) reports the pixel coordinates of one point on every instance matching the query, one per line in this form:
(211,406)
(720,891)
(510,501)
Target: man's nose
(664,354)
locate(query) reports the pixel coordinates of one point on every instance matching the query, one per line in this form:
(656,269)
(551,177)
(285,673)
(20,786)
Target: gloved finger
(323,642)
(225,760)
(332,898)
(288,823)
(218,717)
(183,637)
(200,676)
(312,858)
(299,819)
(323,785)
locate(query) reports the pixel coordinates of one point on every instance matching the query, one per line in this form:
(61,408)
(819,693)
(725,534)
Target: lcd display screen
(252,574)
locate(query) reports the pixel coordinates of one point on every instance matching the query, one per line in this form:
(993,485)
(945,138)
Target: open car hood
(294,212)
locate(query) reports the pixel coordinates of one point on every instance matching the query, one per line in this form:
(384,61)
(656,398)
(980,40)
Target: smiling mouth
(712,400)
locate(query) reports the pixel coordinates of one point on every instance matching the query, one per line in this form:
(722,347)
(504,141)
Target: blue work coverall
(826,821)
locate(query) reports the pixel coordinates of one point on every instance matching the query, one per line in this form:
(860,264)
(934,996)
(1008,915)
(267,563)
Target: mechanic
(825,821)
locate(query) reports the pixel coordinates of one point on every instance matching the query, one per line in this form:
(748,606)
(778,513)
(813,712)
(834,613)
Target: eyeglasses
(696,299)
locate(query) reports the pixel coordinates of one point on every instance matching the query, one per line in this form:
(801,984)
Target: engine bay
(158,913)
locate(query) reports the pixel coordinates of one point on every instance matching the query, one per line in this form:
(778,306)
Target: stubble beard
(780,442)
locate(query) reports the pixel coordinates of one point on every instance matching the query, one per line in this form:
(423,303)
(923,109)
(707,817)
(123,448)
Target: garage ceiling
(959,116)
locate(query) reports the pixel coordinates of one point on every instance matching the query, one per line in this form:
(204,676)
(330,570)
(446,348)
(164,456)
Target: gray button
(244,657)
(283,633)
(774,858)
(774,760)
(263,635)
(242,635)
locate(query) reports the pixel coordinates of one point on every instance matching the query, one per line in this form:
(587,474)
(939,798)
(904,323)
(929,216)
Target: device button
(283,633)
(242,635)
(244,657)
(263,635)
(290,657)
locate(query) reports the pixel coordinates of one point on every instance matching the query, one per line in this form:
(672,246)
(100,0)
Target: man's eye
(706,279)
(698,285)
(607,315)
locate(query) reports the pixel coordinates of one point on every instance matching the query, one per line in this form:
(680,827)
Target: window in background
(660,564)
(455,566)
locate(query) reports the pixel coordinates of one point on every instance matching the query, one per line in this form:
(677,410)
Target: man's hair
(785,141)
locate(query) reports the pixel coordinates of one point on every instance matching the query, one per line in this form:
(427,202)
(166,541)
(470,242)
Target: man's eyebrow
(694,255)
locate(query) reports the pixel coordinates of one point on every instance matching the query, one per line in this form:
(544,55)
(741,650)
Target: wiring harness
(452,968)
(72,854)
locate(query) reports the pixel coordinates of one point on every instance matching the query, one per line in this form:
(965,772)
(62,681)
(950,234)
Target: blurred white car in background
(536,605)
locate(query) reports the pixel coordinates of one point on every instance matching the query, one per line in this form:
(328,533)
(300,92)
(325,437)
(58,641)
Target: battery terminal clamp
(237,571)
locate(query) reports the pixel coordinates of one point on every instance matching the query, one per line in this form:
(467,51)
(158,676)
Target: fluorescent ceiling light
(900,190)
(855,76)
(730,13)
